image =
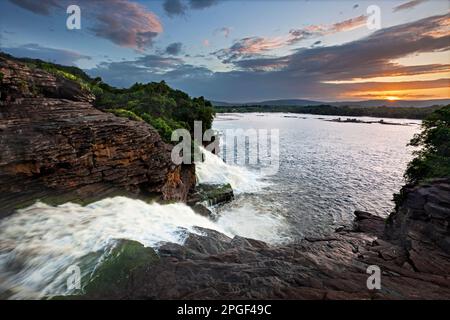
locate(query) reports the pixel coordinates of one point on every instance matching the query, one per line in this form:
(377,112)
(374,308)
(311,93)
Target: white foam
(247,220)
(39,243)
(213,170)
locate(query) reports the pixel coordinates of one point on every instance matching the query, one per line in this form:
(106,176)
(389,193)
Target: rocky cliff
(56,146)
(411,250)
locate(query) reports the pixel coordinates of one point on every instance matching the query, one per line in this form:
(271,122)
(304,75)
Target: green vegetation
(433,159)
(125,114)
(157,104)
(67,72)
(345,111)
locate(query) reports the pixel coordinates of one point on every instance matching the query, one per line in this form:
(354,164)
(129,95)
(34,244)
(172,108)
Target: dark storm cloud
(65,57)
(125,23)
(174,49)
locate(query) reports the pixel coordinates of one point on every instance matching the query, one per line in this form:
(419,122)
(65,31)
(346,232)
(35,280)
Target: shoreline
(316,111)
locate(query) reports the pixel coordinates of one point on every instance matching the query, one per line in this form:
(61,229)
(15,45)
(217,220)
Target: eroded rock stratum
(411,250)
(55,145)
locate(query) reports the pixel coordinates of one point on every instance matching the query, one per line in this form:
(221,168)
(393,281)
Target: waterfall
(39,243)
(213,170)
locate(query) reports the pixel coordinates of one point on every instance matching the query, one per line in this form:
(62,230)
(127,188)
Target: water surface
(327,170)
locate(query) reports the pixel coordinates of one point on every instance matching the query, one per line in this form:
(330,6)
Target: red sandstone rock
(53,141)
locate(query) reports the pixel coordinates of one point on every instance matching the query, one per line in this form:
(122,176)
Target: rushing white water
(39,243)
(247,220)
(213,170)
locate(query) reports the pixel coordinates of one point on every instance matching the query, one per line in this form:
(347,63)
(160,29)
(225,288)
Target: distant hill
(283,102)
(365,103)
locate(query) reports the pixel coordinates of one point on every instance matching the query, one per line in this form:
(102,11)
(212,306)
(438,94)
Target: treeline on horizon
(156,103)
(344,111)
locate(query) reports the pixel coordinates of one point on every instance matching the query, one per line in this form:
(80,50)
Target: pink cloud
(123,22)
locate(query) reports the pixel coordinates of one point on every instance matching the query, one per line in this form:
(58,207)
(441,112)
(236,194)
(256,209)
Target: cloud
(225,31)
(371,56)
(355,6)
(202,4)
(307,73)
(179,7)
(124,23)
(174,49)
(40,7)
(174,7)
(408,5)
(61,56)
(349,24)
(148,68)
(313,31)
(247,47)
(311,73)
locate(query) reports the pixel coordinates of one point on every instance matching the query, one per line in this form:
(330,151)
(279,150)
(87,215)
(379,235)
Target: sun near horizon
(392,98)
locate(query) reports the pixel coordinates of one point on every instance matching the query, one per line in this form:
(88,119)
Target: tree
(433,159)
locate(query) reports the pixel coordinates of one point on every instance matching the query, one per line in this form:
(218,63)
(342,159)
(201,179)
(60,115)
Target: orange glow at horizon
(394,95)
(392,98)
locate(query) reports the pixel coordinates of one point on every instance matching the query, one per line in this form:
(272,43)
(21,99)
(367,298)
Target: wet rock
(202,209)
(205,195)
(211,265)
(212,194)
(116,269)
(368,223)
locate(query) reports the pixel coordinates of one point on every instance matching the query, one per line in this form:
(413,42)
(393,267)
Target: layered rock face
(411,253)
(53,141)
(422,226)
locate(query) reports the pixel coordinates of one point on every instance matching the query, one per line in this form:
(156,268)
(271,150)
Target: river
(326,171)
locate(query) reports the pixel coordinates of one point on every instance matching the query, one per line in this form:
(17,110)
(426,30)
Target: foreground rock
(411,253)
(54,143)
(206,195)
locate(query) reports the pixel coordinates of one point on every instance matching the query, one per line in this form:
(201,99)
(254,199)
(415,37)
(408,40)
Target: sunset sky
(240,51)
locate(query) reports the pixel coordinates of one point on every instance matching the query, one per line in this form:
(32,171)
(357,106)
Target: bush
(433,159)
(125,114)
